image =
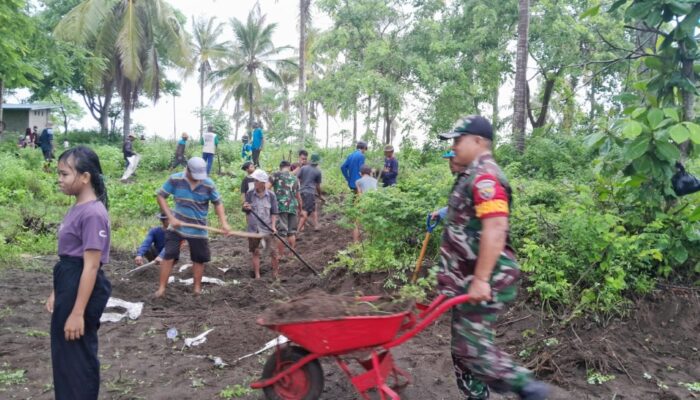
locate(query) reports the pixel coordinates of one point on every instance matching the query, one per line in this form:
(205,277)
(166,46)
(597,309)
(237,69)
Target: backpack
(683,182)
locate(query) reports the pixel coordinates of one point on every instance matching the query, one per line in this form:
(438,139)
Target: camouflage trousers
(479,365)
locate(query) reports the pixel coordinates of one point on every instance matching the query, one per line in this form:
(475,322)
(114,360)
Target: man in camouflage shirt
(476,257)
(286,187)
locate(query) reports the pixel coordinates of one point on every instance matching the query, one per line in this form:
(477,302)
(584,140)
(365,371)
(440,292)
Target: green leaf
(672,113)
(695,215)
(679,253)
(679,133)
(636,148)
(694,131)
(594,140)
(655,116)
(668,151)
(631,129)
(616,5)
(637,112)
(654,63)
(591,12)
(643,165)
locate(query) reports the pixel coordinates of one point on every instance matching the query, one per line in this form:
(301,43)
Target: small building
(19,117)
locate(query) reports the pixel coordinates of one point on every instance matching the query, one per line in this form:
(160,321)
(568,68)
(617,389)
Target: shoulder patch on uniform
(486,189)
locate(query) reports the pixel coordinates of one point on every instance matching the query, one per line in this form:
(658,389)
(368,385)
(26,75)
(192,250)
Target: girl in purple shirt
(80,288)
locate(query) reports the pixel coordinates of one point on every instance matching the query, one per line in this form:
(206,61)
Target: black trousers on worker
(256,157)
(76,369)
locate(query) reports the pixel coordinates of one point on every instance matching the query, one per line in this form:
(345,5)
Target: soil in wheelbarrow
(319,305)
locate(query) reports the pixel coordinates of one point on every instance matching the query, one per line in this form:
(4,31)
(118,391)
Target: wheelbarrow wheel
(306,383)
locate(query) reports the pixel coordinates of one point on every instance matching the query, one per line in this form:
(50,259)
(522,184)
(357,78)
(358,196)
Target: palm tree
(304,18)
(252,54)
(206,49)
(136,38)
(520,97)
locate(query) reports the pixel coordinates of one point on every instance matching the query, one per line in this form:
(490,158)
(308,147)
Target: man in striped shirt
(192,192)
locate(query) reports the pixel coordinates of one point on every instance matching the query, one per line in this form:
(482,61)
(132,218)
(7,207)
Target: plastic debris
(218,361)
(281,339)
(197,340)
(184,267)
(223,270)
(171,334)
(205,279)
(133,310)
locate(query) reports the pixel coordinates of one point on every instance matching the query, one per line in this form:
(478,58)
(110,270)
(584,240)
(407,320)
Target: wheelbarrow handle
(438,307)
(430,224)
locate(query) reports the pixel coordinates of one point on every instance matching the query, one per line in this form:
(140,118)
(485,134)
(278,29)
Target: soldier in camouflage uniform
(478,208)
(286,187)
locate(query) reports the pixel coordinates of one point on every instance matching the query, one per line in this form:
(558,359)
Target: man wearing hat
(351,166)
(476,257)
(153,246)
(192,192)
(261,203)
(391,166)
(180,151)
(128,148)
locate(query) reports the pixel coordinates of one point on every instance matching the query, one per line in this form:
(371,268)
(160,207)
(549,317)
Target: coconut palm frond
(129,43)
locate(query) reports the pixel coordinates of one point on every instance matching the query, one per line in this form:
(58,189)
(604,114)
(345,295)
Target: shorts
(199,247)
(287,224)
(309,200)
(254,243)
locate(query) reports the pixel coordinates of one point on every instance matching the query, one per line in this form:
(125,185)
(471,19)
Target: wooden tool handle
(221,231)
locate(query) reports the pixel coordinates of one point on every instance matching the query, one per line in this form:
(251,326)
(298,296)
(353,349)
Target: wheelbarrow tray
(341,335)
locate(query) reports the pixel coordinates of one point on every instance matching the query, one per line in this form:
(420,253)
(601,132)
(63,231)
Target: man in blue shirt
(246,149)
(351,166)
(153,247)
(258,142)
(391,167)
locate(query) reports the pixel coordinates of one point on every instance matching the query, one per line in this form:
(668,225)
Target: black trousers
(256,157)
(76,369)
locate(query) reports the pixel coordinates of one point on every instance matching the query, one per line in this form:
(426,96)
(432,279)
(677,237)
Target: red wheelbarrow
(294,372)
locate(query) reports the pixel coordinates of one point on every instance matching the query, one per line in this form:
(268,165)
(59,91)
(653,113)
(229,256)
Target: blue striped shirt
(191,205)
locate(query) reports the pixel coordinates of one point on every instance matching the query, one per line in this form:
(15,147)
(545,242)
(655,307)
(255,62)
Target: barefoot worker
(310,178)
(263,203)
(192,192)
(476,257)
(80,288)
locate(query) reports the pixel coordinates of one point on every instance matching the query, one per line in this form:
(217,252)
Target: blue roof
(28,106)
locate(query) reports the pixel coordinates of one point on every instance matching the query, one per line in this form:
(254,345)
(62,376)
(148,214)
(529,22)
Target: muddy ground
(649,355)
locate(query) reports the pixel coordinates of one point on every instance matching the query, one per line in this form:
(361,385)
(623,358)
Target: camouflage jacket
(286,186)
(481,191)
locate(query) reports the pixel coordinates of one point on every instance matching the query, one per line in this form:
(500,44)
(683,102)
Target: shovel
(429,228)
(141,268)
(250,235)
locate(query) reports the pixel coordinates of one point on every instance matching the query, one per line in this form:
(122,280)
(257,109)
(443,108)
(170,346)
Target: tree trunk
(546,97)
(567,122)
(236,111)
(250,111)
(376,124)
(354,124)
(201,101)
(303,14)
(327,130)
(108,87)
(494,105)
(387,123)
(2,99)
(127,116)
(369,114)
(591,97)
(520,89)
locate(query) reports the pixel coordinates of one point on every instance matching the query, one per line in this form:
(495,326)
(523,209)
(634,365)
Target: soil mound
(317,305)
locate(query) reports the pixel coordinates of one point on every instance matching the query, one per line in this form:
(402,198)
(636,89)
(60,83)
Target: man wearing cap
(180,159)
(476,257)
(153,246)
(391,166)
(128,148)
(261,204)
(246,149)
(192,192)
(351,166)
(310,181)
(209,142)
(454,168)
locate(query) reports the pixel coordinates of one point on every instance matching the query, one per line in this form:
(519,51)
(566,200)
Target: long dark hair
(86,160)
